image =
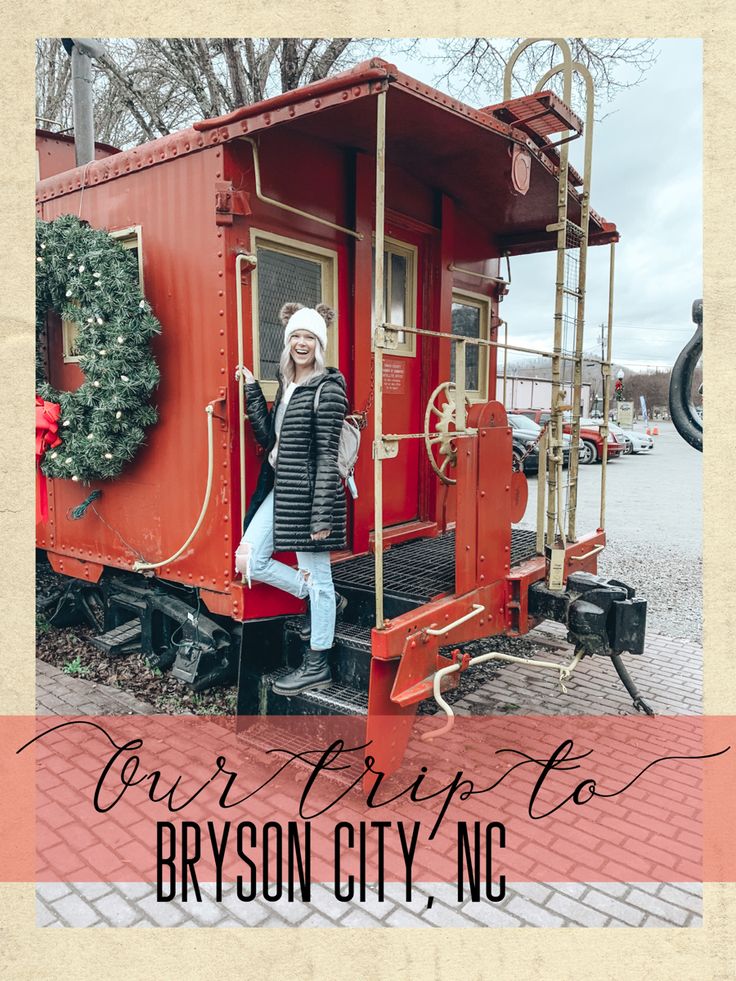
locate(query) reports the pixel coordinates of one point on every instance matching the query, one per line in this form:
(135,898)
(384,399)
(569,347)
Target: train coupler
(602,616)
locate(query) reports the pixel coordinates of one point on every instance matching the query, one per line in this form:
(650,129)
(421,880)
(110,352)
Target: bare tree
(147,87)
(473,67)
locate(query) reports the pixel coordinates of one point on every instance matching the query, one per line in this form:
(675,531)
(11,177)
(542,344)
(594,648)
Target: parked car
(591,441)
(635,442)
(526,433)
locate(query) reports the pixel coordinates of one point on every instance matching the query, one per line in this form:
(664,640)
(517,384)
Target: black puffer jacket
(308,493)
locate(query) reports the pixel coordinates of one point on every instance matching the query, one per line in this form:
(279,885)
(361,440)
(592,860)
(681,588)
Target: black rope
(79,511)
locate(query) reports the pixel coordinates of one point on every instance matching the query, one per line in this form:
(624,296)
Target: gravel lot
(654,521)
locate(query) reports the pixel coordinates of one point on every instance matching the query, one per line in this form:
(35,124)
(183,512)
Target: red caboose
(400,207)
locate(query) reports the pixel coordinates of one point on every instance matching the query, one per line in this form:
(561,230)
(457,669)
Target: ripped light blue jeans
(312,578)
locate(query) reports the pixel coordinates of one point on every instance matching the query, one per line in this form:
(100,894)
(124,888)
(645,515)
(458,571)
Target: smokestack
(82,51)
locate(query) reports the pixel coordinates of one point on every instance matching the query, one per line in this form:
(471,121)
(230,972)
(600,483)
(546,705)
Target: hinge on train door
(229,203)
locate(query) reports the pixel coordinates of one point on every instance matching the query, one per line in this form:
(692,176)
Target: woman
(299,502)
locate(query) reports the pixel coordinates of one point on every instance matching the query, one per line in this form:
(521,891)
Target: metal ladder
(570,287)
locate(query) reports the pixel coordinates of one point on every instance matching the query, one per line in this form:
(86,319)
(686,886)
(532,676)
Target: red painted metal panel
(393,640)
(56,153)
(466,526)
(389,725)
(184,269)
(494,497)
(76,567)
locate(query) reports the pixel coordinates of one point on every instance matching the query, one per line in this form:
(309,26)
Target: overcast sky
(647,178)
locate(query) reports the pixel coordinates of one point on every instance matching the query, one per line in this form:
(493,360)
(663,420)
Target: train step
(120,640)
(350,658)
(338,699)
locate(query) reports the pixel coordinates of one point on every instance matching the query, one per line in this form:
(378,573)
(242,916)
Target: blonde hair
(286,363)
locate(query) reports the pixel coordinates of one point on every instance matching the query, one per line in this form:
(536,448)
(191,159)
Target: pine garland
(88,277)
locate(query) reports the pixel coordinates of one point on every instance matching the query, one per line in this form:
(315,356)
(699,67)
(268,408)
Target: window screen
(282,278)
(466,320)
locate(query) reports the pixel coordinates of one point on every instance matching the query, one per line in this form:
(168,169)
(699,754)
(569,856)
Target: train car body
(55,153)
(277,202)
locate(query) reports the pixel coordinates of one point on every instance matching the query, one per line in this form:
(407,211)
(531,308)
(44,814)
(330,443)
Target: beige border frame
(536,955)
(329,262)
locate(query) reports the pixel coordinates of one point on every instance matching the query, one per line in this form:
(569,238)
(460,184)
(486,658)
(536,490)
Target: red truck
(591,441)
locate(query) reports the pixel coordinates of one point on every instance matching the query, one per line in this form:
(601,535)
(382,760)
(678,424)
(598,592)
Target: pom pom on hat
(296,317)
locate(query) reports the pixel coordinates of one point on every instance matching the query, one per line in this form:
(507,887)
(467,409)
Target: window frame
(408,347)
(130,238)
(300,249)
(483,303)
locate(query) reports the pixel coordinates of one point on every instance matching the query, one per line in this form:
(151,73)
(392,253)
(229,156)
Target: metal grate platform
(346,632)
(423,568)
(338,699)
(523,545)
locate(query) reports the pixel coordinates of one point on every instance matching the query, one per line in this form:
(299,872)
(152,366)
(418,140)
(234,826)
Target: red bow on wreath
(47,428)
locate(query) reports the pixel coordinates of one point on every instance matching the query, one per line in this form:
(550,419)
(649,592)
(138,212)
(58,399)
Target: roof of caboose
(460,151)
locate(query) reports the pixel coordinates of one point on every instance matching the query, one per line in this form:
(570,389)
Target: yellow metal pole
(577,388)
(378,335)
(240,260)
(541,484)
(607,386)
(460,386)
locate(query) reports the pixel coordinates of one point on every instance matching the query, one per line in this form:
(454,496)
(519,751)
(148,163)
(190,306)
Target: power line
(651,329)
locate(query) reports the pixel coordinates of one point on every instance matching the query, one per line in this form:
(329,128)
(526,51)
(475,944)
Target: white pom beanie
(307,319)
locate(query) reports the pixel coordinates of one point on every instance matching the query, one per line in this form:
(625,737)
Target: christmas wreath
(88,278)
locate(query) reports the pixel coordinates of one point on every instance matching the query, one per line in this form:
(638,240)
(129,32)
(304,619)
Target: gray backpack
(347,450)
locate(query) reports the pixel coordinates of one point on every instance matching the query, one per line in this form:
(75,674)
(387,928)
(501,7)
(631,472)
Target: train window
(130,238)
(287,270)
(470,318)
(399,292)
(69,331)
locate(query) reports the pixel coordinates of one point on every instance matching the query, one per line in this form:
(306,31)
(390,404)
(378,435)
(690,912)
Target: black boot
(313,673)
(305,630)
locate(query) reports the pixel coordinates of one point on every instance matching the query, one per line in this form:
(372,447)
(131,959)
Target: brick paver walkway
(669,675)
(58,693)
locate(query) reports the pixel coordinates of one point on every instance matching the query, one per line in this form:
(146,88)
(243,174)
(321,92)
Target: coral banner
(289,801)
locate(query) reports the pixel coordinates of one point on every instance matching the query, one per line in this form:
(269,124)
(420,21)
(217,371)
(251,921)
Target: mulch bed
(69,648)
